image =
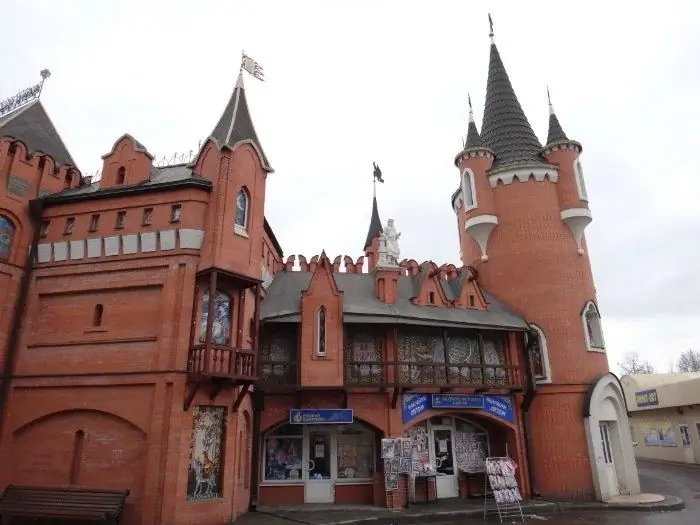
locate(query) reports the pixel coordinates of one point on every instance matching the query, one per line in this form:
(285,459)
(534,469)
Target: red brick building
(115,375)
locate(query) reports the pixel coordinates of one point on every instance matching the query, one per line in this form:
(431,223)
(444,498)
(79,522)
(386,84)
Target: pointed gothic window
(242,205)
(580,183)
(7,235)
(221,325)
(537,350)
(592,328)
(469,190)
(321,331)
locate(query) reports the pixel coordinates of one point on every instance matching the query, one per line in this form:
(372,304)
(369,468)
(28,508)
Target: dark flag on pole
(377,173)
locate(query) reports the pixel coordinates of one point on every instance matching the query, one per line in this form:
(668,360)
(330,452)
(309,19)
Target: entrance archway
(610,446)
(457,445)
(318,463)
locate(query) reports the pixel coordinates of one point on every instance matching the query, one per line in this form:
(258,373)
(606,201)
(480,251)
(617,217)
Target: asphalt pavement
(675,480)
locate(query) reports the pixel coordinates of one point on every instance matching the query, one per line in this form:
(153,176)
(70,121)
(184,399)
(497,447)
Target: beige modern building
(665,415)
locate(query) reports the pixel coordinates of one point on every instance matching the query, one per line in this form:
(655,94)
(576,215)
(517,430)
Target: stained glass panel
(7,234)
(221,326)
(463,350)
(278,358)
(494,354)
(362,353)
(423,352)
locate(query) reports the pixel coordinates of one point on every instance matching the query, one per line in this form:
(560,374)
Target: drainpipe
(530,392)
(35,211)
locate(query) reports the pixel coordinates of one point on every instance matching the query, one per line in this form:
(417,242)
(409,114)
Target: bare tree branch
(632,365)
(689,361)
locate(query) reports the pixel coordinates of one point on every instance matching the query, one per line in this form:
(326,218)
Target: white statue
(389,240)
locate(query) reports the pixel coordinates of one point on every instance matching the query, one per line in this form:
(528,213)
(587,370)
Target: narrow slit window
(94,222)
(44,231)
(97,315)
(70,224)
(321,331)
(147,216)
(121,175)
(121,220)
(175,213)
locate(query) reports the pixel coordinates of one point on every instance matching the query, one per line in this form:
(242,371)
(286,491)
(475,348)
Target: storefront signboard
(413,405)
(416,404)
(320,416)
(647,398)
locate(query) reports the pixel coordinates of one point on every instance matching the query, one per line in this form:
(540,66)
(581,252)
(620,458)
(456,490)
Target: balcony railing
(222,362)
(411,374)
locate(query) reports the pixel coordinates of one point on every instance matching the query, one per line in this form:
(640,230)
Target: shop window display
(356,457)
(283,453)
(471,447)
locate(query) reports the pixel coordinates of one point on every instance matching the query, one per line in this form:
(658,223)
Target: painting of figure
(206,444)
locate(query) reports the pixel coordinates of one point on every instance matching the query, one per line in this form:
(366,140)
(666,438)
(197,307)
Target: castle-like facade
(155,338)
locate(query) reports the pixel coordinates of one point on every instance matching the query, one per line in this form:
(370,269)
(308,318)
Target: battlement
(408,267)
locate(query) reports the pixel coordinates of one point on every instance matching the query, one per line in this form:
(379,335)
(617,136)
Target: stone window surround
(545,356)
(590,348)
(468,174)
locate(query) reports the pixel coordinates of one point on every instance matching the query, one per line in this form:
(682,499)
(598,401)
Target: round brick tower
(522,210)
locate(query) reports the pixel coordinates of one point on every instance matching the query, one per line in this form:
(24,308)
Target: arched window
(68,180)
(592,328)
(97,315)
(321,331)
(580,183)
(221,325)
(242,205)
(7,235)
(121,175)
(469,190)
(537,350)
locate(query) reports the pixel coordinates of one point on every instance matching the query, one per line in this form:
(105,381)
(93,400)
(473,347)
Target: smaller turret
(473,200)
(571,188)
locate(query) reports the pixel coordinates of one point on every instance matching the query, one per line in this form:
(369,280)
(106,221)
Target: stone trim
(114,245)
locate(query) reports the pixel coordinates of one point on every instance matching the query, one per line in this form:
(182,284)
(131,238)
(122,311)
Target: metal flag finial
(471,111)
(252,67)
(490,27)
(549,101)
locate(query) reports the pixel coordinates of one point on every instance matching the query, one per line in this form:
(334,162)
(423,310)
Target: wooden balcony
(221,362)
(410,375)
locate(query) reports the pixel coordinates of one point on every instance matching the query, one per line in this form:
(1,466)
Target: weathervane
(252,67)
(25,96)
(377,176)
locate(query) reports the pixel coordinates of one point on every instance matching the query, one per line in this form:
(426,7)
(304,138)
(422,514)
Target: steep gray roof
(375,224)
(555,133)
(505,128)
(473,139)
(236,125)
(31,124)
(360,304)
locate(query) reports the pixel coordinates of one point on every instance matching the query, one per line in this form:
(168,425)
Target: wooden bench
(61,504)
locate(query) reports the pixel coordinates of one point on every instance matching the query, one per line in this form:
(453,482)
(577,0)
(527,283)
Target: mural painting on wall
(221,325)
(204,476)
(7,233)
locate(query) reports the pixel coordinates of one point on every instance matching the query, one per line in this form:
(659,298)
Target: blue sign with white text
(320,416)
(413,405)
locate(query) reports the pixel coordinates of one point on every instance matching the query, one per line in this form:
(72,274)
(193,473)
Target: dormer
(427,287)
(129,163)
(467,292)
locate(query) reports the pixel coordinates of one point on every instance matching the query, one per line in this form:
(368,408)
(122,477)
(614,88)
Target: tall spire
(375,224)
(235,125)
(473,139)
(505,127)
(556,133)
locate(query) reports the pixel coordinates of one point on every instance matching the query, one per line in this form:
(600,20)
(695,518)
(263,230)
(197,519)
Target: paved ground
(672,480)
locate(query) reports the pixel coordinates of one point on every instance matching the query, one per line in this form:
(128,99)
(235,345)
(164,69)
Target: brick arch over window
(8,231)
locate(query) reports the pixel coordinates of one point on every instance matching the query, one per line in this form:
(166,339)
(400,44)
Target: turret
(473,200)
(517,232)
(571,188)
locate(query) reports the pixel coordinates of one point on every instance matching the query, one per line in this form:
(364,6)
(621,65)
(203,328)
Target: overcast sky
(388,82)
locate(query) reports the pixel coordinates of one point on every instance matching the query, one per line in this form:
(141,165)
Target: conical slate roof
(375,225)
(236,125)
(505,127)
(473,139)
(556,133)
(31,124)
